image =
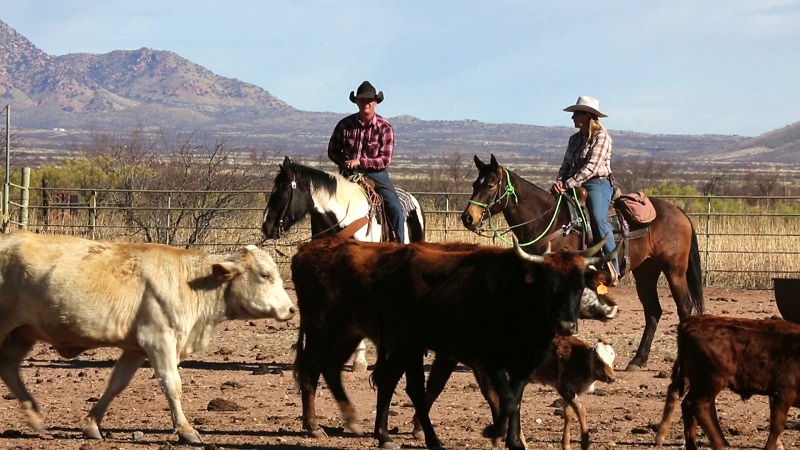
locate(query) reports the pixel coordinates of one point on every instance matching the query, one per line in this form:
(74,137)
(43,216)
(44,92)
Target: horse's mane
(333,185)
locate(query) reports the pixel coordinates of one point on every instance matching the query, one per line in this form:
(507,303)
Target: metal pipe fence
(744,241)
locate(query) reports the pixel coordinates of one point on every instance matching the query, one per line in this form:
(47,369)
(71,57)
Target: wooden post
(25,197)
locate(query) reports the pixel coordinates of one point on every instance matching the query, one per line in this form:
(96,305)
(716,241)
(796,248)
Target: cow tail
(299,354)
(694,275)
(677,368)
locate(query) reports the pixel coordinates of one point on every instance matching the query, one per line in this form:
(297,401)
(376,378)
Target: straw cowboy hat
(587,104)
(366,91)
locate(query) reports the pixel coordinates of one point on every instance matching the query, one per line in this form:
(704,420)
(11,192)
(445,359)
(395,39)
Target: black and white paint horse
(334,203)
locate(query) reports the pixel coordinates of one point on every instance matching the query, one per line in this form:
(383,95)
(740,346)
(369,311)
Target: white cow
(153,301)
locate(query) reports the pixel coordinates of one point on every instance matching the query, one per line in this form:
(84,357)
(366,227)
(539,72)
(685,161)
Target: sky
(666,67)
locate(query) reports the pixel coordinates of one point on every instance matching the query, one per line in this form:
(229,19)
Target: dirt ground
(250,365)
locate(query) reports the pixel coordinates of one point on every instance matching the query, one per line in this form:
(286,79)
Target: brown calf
(572,367)
(749,357)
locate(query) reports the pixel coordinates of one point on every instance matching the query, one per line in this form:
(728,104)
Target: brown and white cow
(748,356)
(154,302)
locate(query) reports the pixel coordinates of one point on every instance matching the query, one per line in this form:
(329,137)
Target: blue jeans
(598,199)
(394,210)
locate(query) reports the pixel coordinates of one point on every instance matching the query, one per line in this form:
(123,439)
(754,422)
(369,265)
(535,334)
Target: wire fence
(742,249)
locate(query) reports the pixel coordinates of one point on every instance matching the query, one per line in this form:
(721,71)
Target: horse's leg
(679,288)
(646,276)
(360,357)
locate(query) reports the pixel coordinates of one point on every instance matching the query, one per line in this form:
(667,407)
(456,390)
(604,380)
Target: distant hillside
(58,101)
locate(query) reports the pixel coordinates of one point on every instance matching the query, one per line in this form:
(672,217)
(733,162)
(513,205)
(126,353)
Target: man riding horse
(363,143)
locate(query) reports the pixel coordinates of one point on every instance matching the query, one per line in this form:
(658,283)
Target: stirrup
(614,275)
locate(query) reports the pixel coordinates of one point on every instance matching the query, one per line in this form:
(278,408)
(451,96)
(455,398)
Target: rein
(507,193)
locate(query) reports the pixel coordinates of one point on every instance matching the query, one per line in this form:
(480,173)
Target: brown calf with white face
(748,356)
(572,367)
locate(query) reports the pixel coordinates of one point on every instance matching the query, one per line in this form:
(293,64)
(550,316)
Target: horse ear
(287,161)
(478,163)
(493,162)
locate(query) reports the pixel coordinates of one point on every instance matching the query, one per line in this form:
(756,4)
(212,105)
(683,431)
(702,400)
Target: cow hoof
(91,432)
(389,445)
(359,366)
(418,435)
(191,437)
(37,425)
(612,313)
(319,433)
(354,427)
(34,419)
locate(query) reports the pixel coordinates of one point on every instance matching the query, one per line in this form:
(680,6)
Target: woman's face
(581,119)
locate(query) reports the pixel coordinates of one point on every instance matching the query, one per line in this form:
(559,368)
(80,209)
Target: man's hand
(351,164)
(557,188)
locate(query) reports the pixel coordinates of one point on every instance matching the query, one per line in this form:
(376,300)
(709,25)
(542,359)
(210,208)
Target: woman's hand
(557,188)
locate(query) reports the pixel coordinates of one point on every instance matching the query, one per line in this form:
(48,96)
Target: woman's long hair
(595,125)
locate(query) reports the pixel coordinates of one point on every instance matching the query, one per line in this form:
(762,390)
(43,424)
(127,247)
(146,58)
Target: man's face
(366,106)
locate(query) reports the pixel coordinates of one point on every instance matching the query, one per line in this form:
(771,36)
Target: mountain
(59,101)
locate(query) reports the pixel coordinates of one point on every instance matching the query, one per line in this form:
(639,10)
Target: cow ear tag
(602,289)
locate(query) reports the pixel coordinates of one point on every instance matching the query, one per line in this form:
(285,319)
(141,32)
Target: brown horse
(537,217)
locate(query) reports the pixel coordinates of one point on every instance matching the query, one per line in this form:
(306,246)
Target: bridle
(507,193)
(285,212)
(286,209)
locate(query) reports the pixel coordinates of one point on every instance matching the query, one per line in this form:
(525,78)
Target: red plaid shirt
(372,144)
(585,159)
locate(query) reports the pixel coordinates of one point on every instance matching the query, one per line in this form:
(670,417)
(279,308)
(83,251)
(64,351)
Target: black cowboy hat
(366,91)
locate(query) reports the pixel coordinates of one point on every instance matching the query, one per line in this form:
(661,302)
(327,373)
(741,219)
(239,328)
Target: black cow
(497,313)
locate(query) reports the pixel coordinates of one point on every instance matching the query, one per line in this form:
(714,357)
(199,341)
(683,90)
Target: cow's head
(602,362)
(559,279)
(254,287)
(596,303)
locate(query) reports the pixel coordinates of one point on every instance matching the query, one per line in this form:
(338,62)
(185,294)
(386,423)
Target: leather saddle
(623,228)
(377,209)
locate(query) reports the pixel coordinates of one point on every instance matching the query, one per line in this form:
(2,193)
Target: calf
(153,302)
(749,357)
(572,367)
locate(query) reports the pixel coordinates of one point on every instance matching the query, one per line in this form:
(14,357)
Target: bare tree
(634,174)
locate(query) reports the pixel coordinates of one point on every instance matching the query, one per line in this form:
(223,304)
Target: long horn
(591,251)
(525,256)
(598,261)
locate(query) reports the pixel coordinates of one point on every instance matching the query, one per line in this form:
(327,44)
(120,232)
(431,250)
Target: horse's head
(288,202)
(487,191)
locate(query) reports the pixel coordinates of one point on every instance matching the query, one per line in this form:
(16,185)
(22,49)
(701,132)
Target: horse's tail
(694,275)
(416,221)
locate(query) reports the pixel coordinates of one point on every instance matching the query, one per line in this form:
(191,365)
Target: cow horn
(591,251)
(523,255)
(599,261)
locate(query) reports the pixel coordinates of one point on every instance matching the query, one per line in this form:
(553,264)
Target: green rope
(510,191)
